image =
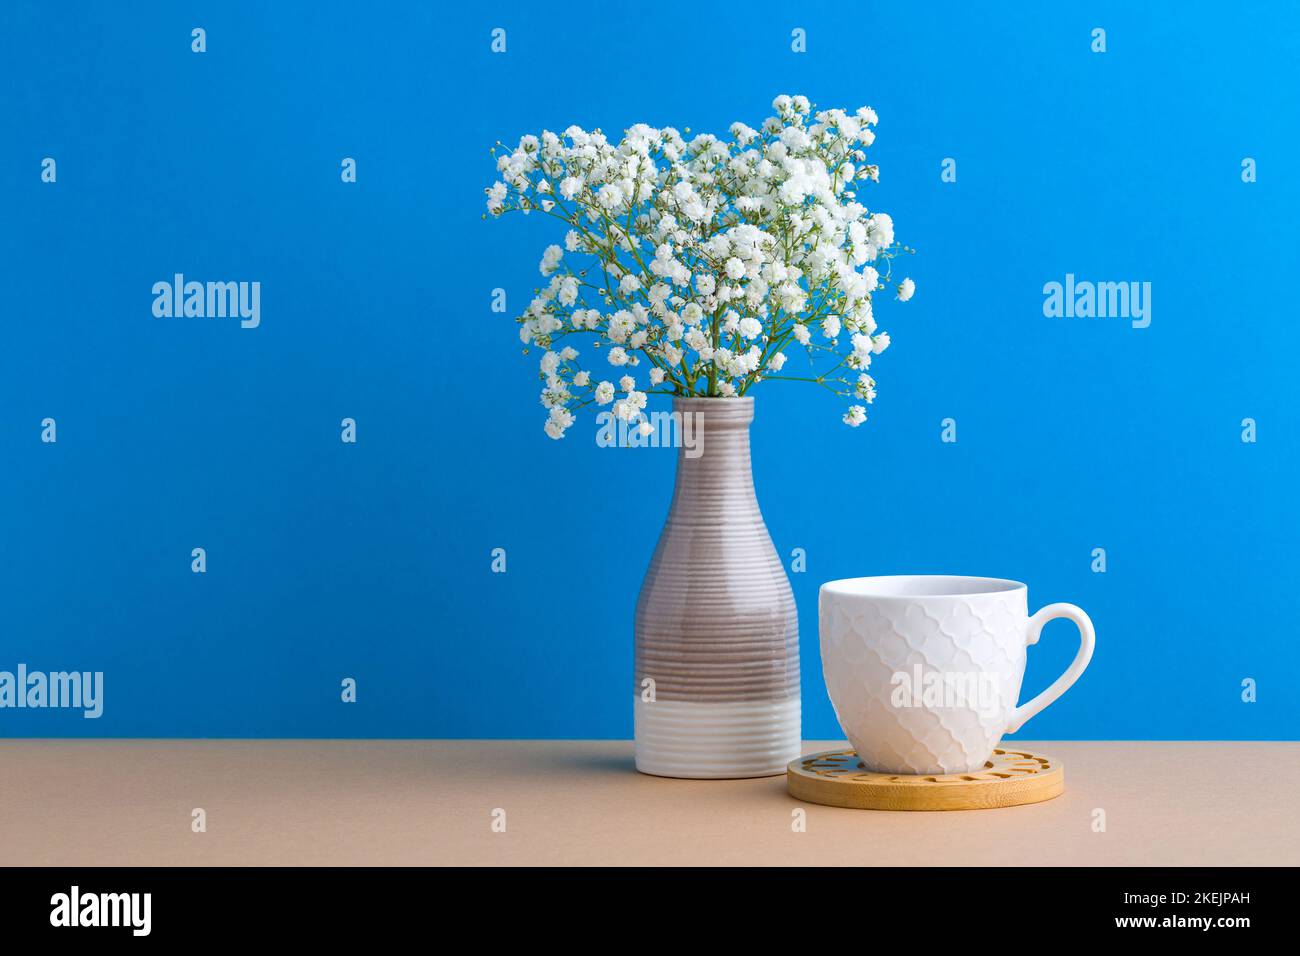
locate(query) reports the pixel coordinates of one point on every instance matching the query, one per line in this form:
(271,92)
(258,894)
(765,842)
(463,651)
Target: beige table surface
(129,802)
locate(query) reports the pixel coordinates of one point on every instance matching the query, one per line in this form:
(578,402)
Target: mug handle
(1086,640)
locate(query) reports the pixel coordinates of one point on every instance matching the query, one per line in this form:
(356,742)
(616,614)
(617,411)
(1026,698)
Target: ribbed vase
(717,636)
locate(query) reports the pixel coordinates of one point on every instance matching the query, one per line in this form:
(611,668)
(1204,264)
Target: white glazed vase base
(680,738)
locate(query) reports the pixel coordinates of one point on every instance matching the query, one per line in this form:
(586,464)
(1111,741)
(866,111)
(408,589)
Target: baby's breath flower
(703,256)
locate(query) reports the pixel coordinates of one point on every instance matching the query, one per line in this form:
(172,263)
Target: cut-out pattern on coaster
(1010,778)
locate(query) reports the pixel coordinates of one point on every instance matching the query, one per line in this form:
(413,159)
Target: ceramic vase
(716,690)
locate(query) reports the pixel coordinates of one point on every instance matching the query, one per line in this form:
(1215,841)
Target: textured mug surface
(716,689)
(924,671)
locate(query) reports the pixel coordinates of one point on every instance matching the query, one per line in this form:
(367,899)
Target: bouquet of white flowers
(705,258)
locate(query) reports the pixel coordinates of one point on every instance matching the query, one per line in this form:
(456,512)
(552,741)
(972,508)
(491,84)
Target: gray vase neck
(715,475)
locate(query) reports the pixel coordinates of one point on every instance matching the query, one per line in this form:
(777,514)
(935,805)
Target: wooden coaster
(1010,778)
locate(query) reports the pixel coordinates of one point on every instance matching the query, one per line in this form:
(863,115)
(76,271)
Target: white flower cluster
(703,261)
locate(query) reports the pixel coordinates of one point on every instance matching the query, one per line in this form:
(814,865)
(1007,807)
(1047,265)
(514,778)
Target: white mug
(924,671)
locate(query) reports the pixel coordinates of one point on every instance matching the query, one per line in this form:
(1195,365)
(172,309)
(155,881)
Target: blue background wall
(328,560)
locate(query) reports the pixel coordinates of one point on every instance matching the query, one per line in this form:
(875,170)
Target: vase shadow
(598,762)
